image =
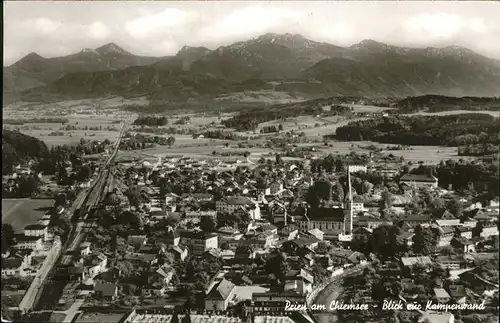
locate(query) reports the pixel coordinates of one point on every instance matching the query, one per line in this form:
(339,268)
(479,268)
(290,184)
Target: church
(335,221)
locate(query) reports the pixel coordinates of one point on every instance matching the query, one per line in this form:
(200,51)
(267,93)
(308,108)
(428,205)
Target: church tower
(348,212)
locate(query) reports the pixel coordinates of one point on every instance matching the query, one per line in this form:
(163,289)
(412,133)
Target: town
(250,162)
(184,238)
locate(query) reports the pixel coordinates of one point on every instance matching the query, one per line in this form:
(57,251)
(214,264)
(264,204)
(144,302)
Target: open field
(21,212)
(445,113)
(81,116)
(71,137)
(429,154)
(65,108)
(262,96)
(367,108)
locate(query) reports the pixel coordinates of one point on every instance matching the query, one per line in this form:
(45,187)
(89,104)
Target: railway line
(52,289)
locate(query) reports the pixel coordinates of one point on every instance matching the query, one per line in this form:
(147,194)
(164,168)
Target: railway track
(52,288)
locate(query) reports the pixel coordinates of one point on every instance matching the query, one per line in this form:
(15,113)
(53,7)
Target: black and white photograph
(250,161)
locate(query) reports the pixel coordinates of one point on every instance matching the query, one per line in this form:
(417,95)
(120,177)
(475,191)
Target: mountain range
(281,62)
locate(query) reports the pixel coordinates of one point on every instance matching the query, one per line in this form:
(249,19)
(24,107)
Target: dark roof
(23,238)
(11,263)
(197,235)
(418,178)
(35,227)
(328,214)
(238,200)
(106,289)
(422,217)
(221,291)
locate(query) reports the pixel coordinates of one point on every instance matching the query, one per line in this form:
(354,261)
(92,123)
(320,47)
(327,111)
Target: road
(332,292)
(52,288)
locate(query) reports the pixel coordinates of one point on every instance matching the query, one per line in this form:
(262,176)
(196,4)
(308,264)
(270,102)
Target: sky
(161,28)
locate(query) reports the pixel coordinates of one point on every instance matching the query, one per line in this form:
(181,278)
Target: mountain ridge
(292,62)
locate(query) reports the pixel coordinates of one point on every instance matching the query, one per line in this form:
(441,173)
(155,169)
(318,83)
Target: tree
(455,207)
(208,224)
(278,265)
(386,200)
(60,199)
(134,196)
(280,127)
(478,229)
(187,317)
(8,237)
(423,241)
(112,199)
(319,191)
(279,160)
(84,173)
(170,141)
(367,187)
(27,186)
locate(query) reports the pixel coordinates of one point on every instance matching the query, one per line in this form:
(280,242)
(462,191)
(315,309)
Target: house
(13,266)
(199,214)
(356,167)
(447,219)
(85,249)
(36,230)
(446,234)
(106,290)
(230,204)
(269,238)
(414,220)
(489,230)
(173,238)
(299,281)
(371,222)
(94,264)
(407,238)
(198,242)
(361,234)
(274,188)
(409,262)
(279,213)
(309,242)
(450,262)
(158,282)
(441,295)
(419,180)
(463,244)
(317,233)
(219,296)
(465,232)
(357,204)
(458,294)
(180,252)
(387,172)
(469,222)
(228,233)
(289,232)
(137,241)
(29,242)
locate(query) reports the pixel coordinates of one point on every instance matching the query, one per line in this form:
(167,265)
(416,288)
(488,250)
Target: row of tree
(150,120)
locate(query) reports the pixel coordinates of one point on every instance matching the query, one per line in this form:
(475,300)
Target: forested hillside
(18,147)
(451,130)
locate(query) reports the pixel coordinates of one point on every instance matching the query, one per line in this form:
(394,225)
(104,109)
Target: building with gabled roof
(219,296)
(419,180)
